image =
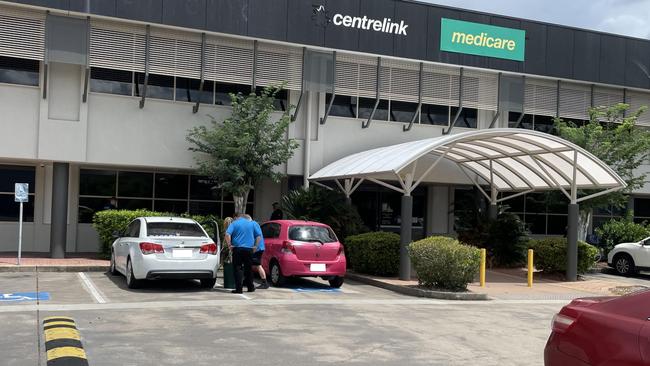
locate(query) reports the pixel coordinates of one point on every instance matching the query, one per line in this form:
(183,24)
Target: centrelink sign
(385,25)
(482,39)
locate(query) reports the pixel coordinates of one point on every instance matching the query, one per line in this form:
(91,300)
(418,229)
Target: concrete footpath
(31,262)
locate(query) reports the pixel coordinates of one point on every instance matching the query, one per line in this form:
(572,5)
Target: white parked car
(628,258)
(165,248)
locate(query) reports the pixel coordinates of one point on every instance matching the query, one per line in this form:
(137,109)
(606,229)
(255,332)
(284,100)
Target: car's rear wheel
(112,269)
(277,279)
(624,264)
(131,281)
(336,282)
(208,282)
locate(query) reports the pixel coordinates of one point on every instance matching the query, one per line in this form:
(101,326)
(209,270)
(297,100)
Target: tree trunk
(240,201)
(583,224)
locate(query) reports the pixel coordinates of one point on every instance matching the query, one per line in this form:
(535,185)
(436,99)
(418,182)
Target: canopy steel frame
(366,124)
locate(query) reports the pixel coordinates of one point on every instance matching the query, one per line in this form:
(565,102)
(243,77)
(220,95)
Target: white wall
(19,110)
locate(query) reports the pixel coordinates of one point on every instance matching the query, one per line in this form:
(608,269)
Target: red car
(302,249)
(601,331)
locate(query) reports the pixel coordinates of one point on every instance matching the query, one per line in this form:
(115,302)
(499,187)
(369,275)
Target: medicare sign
(481,39)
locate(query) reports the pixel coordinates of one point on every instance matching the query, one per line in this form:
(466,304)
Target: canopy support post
(494,212)
(406,230)
(572,228)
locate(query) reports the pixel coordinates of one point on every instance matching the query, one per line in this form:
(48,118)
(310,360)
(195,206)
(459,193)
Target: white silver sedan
(163,248)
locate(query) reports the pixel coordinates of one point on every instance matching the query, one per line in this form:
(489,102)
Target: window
(311,233)
(135,184)
(176,207)
(111,81)
(133,230)
(19,71)
(402,111)
(544,213)
(171,186)
(158,86)
(343,106)
(187,90)
(9,175)
(435,115)
(223,91)
(529,121)
(468,117)
(280,102)
(97,182)
(174,229)
(271,231)
(366,106)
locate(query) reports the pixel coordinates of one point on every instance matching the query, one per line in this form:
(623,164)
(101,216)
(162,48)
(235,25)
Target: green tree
(612,135)
(246,147)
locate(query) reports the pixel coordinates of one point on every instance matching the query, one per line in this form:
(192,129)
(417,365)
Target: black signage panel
(342,38)
(559,47)
(471,60)
(637,63)
(185,13)
(433,44)
(414,45)
(227,16)
(144,10)
(500,63)
(586,55)
(105,7)
(381,12)
(57,4)
(612,61)
(307,22)
(267,19)
(535,58)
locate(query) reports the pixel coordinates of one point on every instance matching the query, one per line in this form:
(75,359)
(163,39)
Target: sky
(626,17)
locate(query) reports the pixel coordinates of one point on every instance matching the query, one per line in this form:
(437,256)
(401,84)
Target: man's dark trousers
(243,257)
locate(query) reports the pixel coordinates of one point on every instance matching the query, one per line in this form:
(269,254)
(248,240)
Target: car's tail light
(287,247)
(151,248)
(561,323)
(208,248)
(340,249)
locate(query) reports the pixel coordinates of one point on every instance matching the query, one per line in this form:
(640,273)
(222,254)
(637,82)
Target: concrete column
(572,243)
(494,211)
(406,228)
(58,230)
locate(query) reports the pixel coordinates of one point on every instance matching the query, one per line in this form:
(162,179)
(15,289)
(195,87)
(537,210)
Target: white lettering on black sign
(386,25)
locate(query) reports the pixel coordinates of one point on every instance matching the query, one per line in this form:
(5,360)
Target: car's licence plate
(317,267)
(182,253)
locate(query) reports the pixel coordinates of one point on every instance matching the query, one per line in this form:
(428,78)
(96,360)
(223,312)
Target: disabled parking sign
(24,296)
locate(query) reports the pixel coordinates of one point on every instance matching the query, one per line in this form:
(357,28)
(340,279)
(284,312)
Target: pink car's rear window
(312,233)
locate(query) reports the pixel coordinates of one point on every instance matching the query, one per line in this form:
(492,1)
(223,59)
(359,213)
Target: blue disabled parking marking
(311,289)
(24,296)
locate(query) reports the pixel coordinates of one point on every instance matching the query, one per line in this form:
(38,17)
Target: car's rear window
(312,233)
(173,229)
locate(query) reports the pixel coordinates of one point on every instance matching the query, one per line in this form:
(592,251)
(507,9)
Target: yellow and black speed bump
(63,342)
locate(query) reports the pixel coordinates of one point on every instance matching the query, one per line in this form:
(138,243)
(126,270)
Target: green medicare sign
(481,39)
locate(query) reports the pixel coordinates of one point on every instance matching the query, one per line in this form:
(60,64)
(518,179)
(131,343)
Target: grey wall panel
(612,59)
(372,41)
(501,64)
(559,51)
(586,55)
(99,7)
(306,25)
(341,37)
(267,19)
(227,16)
(144,10)
(185,13)
(535,58)
(637,63)
(414,45)
(471,60)
(433,44)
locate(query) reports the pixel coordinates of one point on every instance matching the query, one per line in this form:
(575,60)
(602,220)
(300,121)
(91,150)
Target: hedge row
(550,255)
(375,253)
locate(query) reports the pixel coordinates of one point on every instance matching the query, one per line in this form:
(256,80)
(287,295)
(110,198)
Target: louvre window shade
(440,85)
(575,101)
(117,46)
(22,33)
(540,97)
(403,80)
(175,53)
(607,97)
(368,76)
(229,60)
(636,100)
(480,90)
(278,64)
(347,75)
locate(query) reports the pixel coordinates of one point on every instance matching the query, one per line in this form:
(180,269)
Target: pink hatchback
(302,249)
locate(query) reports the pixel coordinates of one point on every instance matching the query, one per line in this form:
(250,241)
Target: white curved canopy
(507,159)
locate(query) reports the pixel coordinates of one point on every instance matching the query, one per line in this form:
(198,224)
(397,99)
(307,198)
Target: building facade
(97,97)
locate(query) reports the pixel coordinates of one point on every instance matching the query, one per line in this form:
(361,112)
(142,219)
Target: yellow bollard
(530,268)
(482,272)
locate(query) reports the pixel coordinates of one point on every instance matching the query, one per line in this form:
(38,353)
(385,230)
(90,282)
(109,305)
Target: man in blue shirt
(257,257)
(243,237)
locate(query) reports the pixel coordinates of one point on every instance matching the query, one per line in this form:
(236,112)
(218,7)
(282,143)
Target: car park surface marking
(63,342)
(92,289)
(24,296)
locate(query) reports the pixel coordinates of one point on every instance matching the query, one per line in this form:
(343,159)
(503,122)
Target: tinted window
(111,81)
(18,71)
(187,90)
(271,231)
(171,186)
(312,233)
(367,104)
(402,111)
(204,188)
(133,204)
(280,101)
(97,182)
(173,229)
(158,86)
(134,229)
(134,184)
(11,174)
(88,206)
(467,118)
(223,91)
(344,106)
(177,207)
(9,209)
(435,114)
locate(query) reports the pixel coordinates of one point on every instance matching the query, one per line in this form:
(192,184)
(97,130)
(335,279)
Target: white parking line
(245,297)
(90,287)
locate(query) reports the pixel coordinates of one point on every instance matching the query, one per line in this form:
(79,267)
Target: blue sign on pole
(24,296)
(21,193)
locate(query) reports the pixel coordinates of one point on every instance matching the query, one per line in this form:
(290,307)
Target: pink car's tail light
(287,247)
(340,249)
(561,323)
(208,248)
(151,248)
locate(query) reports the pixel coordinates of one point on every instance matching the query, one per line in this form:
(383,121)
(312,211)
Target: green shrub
(550,255)
(374,253)
(442,262)
(109,221)
(621,231)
